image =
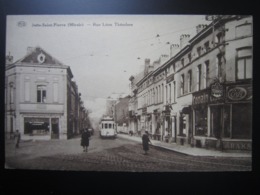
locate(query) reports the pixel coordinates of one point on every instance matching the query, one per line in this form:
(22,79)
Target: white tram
(107,127)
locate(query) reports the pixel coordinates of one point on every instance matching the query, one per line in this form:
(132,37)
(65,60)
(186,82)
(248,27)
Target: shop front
(157,125)
(238,115)
(221,120)
(167,121)
(41,127)
(208,110)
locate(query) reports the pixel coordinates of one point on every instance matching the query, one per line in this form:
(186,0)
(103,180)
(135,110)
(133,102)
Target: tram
(107,128)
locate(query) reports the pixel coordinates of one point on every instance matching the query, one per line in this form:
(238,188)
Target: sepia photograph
(128,93)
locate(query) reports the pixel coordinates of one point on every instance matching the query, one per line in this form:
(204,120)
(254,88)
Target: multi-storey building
(202,96)
(42,101)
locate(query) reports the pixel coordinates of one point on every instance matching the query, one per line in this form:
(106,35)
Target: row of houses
(41,99)
(201,95)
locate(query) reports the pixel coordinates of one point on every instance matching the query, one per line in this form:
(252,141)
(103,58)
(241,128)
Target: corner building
(42,101)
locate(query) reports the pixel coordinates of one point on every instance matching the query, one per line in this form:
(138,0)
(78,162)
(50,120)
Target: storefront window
(216,124)
(36,126)
(201,121)
(183,124)
(241,121)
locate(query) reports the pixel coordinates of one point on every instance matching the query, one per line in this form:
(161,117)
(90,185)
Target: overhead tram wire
(146,39)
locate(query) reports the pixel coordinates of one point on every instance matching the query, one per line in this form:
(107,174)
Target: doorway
(54,128)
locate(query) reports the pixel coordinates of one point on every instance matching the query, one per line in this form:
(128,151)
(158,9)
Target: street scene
(129,93)
(121,154)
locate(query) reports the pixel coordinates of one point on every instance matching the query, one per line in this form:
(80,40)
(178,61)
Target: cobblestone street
(111,155)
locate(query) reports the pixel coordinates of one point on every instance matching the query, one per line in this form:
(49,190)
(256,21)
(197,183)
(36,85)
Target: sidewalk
(187,149)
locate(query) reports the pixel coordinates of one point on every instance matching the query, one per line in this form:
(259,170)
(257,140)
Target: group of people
(86,136)
(85,140)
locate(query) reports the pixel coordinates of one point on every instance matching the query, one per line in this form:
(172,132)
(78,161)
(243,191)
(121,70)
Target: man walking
(17,137)
(85,140)
(146,140)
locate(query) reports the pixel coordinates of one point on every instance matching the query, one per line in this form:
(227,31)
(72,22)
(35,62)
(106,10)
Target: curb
(188,154)
(156,146)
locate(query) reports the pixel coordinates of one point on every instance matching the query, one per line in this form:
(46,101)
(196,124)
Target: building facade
(202,95)
(42,101)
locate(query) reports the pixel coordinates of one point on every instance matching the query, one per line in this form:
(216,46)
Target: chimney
(163,58)
(200,27)
(184,40)
(174,48)
(146,66)
(29,49)
(147,62)
(9,59)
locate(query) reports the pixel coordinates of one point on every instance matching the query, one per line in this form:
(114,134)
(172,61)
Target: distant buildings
(202,95)
(41,99)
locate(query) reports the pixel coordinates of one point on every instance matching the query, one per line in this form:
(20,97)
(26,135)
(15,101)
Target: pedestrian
(17,137)
(146,141)
(85,140)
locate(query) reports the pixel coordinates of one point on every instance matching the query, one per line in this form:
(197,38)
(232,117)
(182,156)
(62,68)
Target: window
(11,93)
(182,84)
(174,94)
(189,57)
(244,63)
(206,45)
(173,67)
(162,92)
(156,95)
(198,77)
(199,51)
(242,121)
(170,93)
(189,80)
(166,90)
(206,77)
(106,125)
(219,38)
(159,98)
(41,93)
(201,121)
(110,126)
(244,30)
(182,62)
(219,65)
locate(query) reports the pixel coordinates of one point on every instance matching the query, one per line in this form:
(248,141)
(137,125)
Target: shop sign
(217,90)
(216,93)
(200,98)
(237,145)
(170,78)
(239,93)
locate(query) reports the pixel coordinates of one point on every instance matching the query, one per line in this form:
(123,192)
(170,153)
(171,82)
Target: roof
(37,56)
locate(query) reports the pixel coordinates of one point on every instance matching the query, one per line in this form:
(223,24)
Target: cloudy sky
(103,51)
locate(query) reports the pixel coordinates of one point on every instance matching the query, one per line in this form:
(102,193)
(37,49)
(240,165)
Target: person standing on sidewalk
(146,140)
(17,138)
(85,140)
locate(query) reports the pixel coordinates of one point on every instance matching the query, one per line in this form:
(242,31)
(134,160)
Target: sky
(103,51)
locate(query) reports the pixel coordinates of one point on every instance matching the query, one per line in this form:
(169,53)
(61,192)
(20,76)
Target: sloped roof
(38,56)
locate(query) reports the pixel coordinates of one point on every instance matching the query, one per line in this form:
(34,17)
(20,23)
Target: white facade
(36,96)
